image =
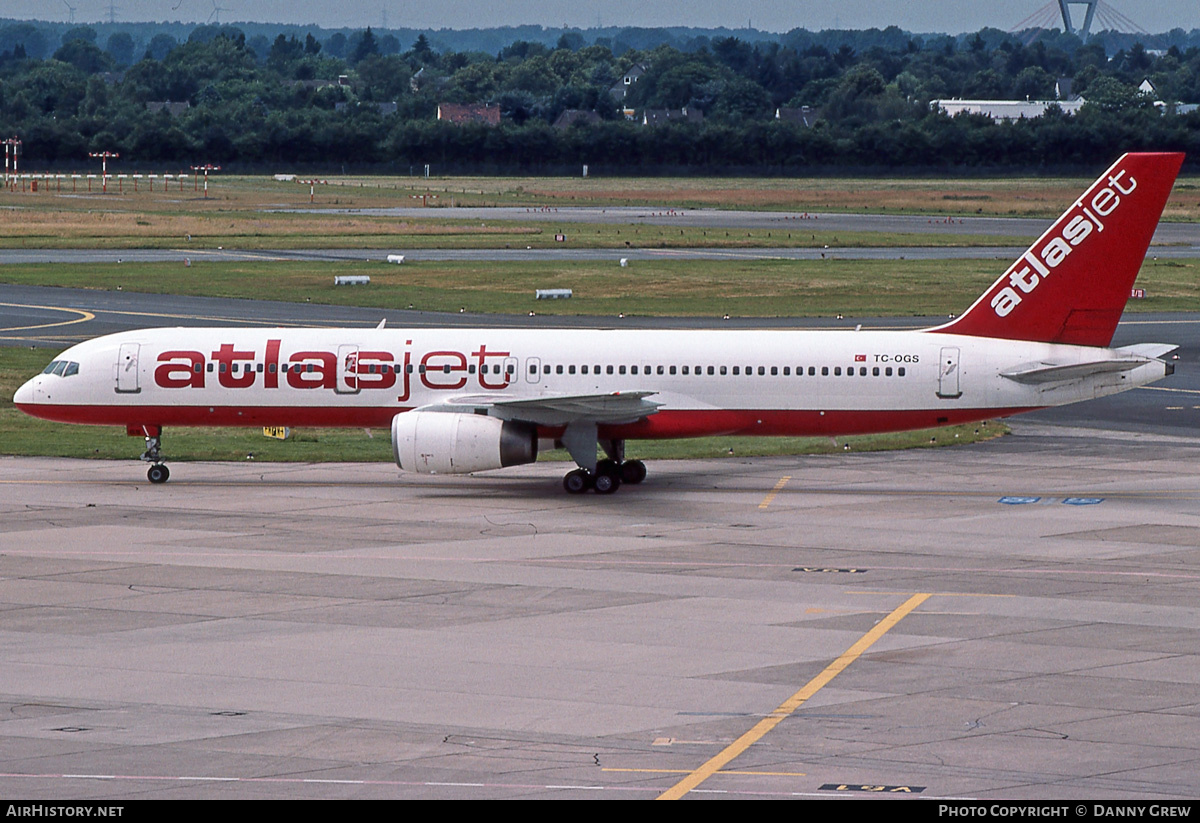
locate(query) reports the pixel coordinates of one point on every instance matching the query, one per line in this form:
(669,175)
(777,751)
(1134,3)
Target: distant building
(571,117)
(1005,109)
(621,89)
(463,114)
(173,109)
(661,117)
(1148,89)
(805,116)
(1063,89)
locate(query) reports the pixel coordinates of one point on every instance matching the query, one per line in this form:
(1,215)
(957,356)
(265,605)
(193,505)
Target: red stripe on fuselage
(665,424)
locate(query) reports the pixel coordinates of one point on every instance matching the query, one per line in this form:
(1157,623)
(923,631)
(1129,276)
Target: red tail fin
(1072,284)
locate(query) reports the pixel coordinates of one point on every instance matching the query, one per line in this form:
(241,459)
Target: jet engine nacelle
(449,443)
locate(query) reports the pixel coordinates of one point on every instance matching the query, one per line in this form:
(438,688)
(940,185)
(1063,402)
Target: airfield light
(206,168)
(15,145)
(103,155)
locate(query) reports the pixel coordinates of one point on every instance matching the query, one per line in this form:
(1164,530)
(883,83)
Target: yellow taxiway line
(789,706)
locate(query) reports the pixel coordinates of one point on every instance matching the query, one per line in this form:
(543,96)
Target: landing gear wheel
(607,483)
(577,482)
(158,473)
(633,472)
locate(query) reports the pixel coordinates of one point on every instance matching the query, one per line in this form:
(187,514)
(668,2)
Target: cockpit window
(62,368)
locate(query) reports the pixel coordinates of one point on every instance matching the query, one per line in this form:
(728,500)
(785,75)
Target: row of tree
(295,102)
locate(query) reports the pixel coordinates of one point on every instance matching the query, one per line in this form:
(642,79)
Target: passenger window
(532,368)
(812,371)
(887,372)
(672,370)
(622,369)
(723,370)
(558,370)
(633,370)
(837,371)
(761,371)
(737,370)
(862,371)
(774,371)
(875,372)
(199,367)
(583,369)
(711,370)
(900,372)
(546,369)
(787,371)
(222,368)
(570,369)
(824,371)
(609,369)
(685,369)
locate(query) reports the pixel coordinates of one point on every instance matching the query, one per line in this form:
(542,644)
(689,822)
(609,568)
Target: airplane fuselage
(704,382)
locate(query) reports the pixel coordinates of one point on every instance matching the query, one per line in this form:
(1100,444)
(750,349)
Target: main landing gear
(602,476)
(607,478)
(158,471)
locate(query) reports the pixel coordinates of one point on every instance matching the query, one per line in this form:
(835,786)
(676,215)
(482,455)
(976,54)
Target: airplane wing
(1048,372)
(557,410)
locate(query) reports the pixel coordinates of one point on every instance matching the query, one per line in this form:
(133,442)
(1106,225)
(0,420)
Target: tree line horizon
(303,102)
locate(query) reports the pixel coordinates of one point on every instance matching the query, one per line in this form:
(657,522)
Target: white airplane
(468,400)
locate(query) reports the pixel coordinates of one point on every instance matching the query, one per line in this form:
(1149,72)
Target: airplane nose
(24,395)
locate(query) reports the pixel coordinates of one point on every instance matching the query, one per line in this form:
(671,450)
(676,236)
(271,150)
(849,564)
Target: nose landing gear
(158,471)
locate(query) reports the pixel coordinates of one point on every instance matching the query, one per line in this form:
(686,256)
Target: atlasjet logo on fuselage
(1035,265)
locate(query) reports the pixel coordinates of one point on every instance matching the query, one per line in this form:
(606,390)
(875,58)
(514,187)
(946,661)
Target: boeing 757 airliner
(467,400)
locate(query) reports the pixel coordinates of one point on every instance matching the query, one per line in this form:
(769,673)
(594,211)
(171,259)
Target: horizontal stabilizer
(1152,350)
(1055,373)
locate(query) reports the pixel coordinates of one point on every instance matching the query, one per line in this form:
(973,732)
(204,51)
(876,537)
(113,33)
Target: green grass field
(712,288)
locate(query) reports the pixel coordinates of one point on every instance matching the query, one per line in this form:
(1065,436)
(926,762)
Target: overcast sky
(952,16)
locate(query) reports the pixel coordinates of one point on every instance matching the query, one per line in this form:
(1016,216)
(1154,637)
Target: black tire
(633,472)
(606,483)
(607,467)
(577,482)
(158,473)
